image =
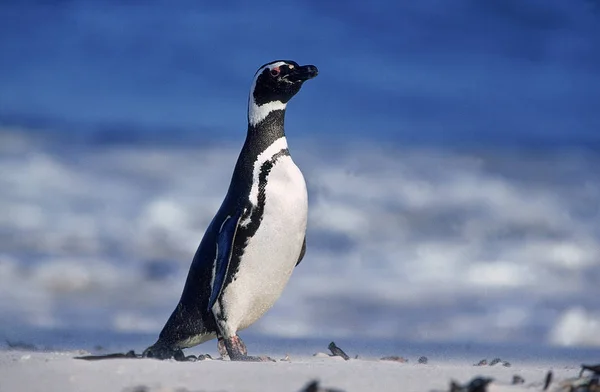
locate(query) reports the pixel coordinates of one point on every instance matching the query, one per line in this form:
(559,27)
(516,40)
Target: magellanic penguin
(258,235)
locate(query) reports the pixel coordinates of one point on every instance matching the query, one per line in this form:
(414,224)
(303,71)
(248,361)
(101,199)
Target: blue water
(428,72)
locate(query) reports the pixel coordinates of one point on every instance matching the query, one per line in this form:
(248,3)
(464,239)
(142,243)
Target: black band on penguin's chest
(254,213)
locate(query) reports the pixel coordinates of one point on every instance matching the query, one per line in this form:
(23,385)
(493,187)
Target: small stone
(395,358)
(335,350)
(286,358)
(313,386)
(495,361)
(478,384)
(139,388)
(595,369)
(423,360)
(483,362)
(506,364)
(547,380)
(518,379)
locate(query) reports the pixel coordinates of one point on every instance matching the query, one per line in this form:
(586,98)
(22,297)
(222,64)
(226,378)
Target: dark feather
(302,252)
(225,241)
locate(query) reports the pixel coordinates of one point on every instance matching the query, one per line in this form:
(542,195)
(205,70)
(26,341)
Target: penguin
(258,235)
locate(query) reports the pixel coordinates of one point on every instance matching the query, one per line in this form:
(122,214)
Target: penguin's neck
(265,120)
(266,131)
(263,138)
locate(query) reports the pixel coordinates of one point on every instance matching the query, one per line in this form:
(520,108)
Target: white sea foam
(403,243)
(577,327)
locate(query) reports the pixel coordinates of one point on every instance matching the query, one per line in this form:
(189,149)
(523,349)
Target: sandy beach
(22,370)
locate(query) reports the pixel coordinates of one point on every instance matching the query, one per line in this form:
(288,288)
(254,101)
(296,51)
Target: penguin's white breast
(272,253)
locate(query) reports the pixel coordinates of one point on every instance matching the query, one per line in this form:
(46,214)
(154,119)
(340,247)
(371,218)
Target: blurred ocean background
(451,150)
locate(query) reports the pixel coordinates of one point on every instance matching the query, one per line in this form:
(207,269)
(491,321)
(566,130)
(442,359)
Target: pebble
(335,350)
(395,358)
(495,361)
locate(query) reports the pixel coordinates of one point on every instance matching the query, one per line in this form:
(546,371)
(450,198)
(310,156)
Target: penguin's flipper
(302,252)
(225,241)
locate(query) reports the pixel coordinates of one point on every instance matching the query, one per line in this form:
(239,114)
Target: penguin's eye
(275,71)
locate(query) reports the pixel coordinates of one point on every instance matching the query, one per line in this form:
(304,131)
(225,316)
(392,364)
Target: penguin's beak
(303,73)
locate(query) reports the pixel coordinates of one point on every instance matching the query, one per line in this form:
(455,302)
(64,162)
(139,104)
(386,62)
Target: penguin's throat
(259,113)
(268,129)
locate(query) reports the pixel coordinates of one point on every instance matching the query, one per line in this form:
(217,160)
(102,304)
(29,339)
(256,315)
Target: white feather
(214,268)
(263,157)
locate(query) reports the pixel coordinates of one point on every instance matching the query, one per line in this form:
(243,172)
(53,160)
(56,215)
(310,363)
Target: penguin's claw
(164,352)
(237,351)
(222,348)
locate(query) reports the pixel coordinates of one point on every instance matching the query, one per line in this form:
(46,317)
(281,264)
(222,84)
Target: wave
(420,244)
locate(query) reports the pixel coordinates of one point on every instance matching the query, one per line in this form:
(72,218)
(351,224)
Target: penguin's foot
(235,347)
(162,351)
(222,348)
(237,351)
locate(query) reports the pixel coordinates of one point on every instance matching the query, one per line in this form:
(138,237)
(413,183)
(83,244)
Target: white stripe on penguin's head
(256,112)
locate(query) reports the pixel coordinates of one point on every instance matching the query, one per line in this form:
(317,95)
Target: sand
(58,371)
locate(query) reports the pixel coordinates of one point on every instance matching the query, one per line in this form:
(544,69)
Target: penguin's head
(280,80)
